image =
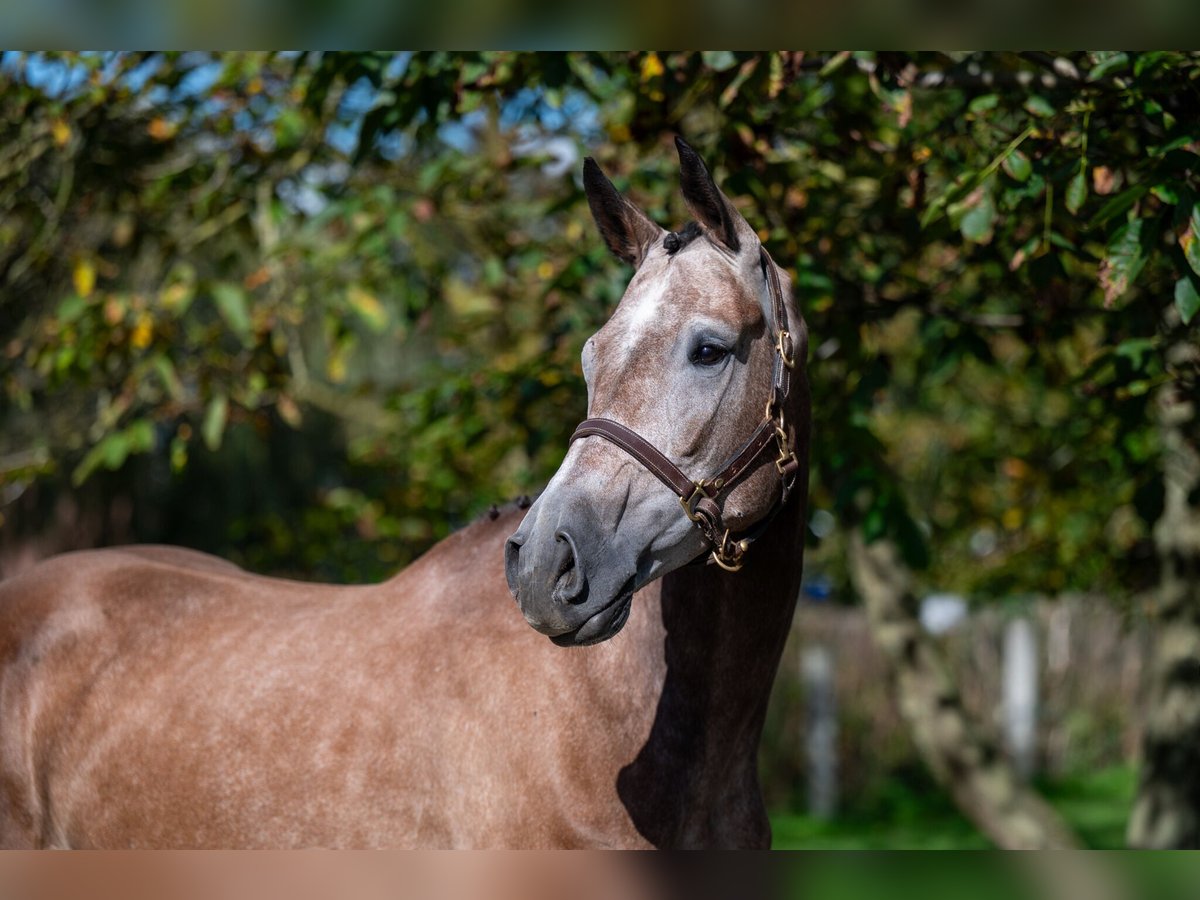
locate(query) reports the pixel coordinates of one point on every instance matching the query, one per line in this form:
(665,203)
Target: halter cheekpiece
(699,498)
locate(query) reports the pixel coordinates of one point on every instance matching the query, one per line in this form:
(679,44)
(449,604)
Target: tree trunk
(1166,813)
(980,779)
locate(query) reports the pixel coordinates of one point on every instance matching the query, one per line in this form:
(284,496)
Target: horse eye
(709,354)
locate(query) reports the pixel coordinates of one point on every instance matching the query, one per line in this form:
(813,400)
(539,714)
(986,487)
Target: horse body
(158,697)
(169,699)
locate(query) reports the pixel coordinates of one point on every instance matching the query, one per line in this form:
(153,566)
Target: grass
(921,817)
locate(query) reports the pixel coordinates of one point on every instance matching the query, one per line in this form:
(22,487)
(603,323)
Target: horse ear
(705,201)
(625,228)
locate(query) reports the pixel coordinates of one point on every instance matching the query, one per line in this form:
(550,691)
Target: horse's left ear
(625,228)
(705,201)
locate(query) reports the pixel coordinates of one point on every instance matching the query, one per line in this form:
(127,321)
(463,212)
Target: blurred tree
(984,784)
(1167,813)
(344,294)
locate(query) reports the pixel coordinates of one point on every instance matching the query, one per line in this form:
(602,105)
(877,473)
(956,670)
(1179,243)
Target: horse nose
(570,585)
(556,566)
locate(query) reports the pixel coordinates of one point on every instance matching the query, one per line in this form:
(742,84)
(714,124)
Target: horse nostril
(570,585)
(512,554)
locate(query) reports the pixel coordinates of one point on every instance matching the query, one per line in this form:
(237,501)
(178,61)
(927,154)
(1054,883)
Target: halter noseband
(699,498)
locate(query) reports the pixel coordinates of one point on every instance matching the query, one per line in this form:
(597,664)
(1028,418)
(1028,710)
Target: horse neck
(725,633)
(695,780)
(726,630)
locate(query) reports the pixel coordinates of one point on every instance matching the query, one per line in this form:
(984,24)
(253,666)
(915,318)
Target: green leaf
(215,416)
(368,307)
(139,436)
(1122,262)
(71,308)
(1076,192)
(1135,350)
(1183,140)
(1039,106)
(1187,301)
(719,60)
(170,379)
(1107,61)
(1119,204)
(1017,165)
(874,524)
(983,103)
(110,453)
(231,303)
(1146,61)
(967,182)
(1166,192)
(289,127)
(1190,242)
(976,223)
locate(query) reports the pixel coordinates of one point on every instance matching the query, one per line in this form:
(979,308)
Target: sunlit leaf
(1039,106)
(71,308)
(232,304)
(1187,300)
(1017,165)
(213,427)
(652,66)
(717,60)
(1076,193)
(1189,243)
(368,307)
(84,277)
(983,103)
(1122,262)
(170,378)
(143,332)
(1107,61)
(976,223)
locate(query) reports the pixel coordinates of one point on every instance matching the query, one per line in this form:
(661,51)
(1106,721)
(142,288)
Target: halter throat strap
(699,498)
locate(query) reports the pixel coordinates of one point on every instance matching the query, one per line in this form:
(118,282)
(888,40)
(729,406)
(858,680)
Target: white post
(820,737)
(1020,694)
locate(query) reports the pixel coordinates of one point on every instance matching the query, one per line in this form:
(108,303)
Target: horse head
(688,378)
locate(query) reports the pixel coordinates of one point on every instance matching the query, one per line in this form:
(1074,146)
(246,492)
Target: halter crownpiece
(699,498)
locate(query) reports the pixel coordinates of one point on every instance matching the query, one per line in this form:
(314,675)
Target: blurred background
(313,311)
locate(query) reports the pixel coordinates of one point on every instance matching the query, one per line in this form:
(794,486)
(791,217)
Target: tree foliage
(347,292)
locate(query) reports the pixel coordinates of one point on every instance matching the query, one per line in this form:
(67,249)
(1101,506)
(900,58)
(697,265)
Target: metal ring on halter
(725,557)
(788,354)
(689,503)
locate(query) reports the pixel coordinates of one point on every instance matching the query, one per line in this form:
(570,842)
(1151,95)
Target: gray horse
(158,697)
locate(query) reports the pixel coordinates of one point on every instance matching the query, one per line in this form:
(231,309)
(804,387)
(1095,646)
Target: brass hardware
(784,460)
(789,359)
(786,454)
(689,503)
(731,561)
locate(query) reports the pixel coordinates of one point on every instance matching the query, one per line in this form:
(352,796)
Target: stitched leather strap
(640,449)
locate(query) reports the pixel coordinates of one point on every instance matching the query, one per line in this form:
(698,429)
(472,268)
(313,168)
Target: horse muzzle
(571,582)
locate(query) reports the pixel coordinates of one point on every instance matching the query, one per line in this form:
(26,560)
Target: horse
(158,697)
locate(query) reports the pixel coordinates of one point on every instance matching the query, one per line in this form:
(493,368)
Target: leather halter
(699,499)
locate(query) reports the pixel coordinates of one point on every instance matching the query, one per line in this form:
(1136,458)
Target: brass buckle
(786,454)
(789,359)
(731,555)
(689,503)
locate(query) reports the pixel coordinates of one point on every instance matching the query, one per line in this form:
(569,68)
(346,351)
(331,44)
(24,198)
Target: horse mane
(677,240)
